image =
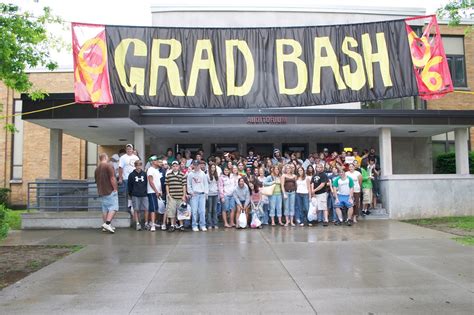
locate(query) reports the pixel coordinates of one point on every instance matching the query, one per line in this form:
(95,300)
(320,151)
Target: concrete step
(376,214)
(70,220)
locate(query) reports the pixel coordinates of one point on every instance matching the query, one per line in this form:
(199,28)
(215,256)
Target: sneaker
(301,224)
(104,230)
(367,212)
(181,228)
(349,222)
(172,228)
(139,227)
(216,227)
(108,228)
(364,213)
(163,227)
(337,222)
(113,227)
(204,229)
(152,229)
(310,224)
(195,229)
(325,223)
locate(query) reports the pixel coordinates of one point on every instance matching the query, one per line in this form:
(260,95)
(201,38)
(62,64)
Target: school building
(63,144)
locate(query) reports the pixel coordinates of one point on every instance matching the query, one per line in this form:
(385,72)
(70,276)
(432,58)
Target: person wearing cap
(137,189)
(176,194)
(198,188)
(126,167)
(153,189)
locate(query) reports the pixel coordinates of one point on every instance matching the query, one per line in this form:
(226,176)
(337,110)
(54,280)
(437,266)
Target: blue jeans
(302,207)
(265,217)
(275,205)
(290,204)
(331,207)
(212,211)
(198,208)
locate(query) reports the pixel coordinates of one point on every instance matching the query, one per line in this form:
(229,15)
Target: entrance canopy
(116,124)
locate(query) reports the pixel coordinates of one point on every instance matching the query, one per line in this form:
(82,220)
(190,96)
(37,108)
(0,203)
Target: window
(91,159)
(454,49)
(17,150)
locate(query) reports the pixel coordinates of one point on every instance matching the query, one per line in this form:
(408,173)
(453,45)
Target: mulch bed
(17,262)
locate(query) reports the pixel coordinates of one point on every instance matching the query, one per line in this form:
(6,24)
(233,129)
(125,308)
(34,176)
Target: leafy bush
(4,195)
(3,221)
(446,163)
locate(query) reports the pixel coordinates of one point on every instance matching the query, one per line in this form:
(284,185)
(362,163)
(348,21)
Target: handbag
(161,206)
(312,213)
(268,190)
(256,223)
(242,220)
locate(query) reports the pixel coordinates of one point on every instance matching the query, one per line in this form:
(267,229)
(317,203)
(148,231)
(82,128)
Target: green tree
(455,11)
(25,42)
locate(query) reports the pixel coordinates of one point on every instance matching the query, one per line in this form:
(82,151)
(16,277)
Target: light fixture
(93,126)
(412,131)
(261,131)
(184,131)
(340,131)
(122,140)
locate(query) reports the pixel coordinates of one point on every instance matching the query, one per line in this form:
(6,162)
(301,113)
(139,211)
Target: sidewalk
(372,267)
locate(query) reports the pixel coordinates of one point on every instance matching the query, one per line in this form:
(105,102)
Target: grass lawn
(14,219)
(463,227)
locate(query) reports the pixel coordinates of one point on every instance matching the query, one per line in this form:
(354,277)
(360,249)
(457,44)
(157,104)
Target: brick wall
(458,100)
(36,141)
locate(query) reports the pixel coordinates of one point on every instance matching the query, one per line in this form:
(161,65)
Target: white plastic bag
(242,220)
(161,206)
(256,223)
(312,213)
(184,212)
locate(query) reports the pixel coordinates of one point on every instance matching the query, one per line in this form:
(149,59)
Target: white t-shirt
(355,179)
(127,163)
(156,180)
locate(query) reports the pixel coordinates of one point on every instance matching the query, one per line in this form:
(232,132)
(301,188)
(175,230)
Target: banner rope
(72,103)
(37,111)
(464,92)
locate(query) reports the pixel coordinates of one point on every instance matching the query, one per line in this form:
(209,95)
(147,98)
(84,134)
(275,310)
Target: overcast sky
(138,12)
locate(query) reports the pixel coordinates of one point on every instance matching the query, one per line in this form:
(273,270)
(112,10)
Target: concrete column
(55,153)
(461,138)
(385,148)
(139,142)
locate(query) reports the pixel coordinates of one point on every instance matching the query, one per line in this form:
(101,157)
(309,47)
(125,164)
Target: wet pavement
(373,267)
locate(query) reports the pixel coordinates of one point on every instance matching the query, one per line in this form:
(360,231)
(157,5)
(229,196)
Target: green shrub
(446,163)
(4,195)
(3,221)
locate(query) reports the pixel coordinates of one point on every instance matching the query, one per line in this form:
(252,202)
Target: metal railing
(66,195)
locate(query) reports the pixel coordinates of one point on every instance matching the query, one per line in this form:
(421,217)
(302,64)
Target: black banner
(259,67)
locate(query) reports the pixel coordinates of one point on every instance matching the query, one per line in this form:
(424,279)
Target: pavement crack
(154,275)
(288,272)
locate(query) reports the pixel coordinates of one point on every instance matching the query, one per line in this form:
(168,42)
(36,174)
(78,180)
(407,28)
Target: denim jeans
(302,207)
(290,204)
(212,211)
(265,217)
(275,205)
(331,207)
(198,208)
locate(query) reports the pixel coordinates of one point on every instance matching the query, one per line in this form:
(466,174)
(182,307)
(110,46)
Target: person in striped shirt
(176,194)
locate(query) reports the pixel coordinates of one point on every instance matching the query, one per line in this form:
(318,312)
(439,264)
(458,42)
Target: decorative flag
(258,67)
(91,71)
(429,60)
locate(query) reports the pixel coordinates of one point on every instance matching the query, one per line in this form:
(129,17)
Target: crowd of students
(282,189)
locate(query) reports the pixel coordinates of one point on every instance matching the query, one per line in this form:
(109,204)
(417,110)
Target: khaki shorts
(320,201)
(367,196)
(172,207)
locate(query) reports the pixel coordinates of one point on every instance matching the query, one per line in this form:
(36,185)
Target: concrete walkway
(373,267)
